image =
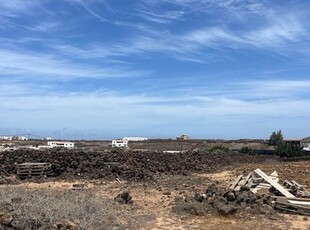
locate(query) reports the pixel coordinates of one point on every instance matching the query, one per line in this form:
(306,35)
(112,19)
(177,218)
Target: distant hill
(306,139)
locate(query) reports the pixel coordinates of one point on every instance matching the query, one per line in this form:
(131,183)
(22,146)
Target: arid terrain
(80,191)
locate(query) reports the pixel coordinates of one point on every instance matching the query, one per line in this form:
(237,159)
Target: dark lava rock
(200,197)
(230,196)
(124,198)
(127,165)
(211,190)
(225,209)
(244,188)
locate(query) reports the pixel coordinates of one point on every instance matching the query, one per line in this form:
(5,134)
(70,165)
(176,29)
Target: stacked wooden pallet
(292,205)
(29,170)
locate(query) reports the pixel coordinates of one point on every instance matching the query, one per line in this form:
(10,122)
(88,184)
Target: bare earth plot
(83,203)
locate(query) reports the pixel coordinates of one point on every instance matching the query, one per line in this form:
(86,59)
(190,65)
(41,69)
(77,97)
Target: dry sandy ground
(157,199)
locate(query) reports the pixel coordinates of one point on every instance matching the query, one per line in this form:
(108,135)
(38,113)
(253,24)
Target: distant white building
(22,138)
(183,137)
(135,139)
(48,138)
(119,143)
(173,151)
(8,138)
(306,146)
(63,144)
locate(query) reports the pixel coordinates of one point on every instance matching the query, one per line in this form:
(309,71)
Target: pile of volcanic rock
(127,165)
(218,200)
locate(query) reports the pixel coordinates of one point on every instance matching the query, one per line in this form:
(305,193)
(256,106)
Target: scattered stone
(167,193)
(66,225)
(6,218)
(225,209)
(200,197)
(230,196)
(16,200)
(124,198)
(244,188)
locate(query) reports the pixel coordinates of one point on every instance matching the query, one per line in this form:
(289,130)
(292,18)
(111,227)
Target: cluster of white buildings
(135,138)
(10,138)
(6,138)
(123,143)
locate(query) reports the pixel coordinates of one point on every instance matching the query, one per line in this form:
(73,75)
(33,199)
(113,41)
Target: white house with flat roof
(61,144)
(119,143)
(22,138)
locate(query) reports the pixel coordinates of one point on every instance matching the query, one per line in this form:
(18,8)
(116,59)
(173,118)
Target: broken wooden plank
(299,202)
(274,175)
(287,182)
(274,184)
(233,185)
(299,186)
(305,207)
(293,198)
(292,209)
(242,182)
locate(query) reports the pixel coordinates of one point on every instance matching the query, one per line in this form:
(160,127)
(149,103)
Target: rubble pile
(256,193)
(128,165)
(218,200)
(290,197)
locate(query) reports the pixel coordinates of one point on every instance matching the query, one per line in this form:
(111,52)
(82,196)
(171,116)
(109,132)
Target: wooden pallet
(29,170)
(293,205)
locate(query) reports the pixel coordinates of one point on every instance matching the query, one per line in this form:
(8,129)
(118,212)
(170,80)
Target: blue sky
(158,68)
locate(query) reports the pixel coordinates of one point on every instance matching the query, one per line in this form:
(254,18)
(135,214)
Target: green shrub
(246,150)
(218,148)
(276,138)
(288,150)
(281,149)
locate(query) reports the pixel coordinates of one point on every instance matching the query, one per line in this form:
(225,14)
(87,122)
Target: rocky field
(141,190)
(128,165)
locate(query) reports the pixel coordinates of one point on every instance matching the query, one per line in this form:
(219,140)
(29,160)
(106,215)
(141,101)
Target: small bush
(276,138)
(219,148)
(288,150)
(246,150)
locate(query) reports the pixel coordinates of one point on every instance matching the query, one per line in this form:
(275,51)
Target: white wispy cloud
(164,17)
(236,7)
(273,89)
(32,64)
(47,26)
(14,8)
(92,7)
(279,37)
